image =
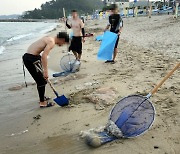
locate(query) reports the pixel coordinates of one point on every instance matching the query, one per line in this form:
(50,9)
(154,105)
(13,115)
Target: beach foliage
(54,8)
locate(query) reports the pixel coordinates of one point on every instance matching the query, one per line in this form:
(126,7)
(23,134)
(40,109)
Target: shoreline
(21,40)
(12,79)
(28,20)
(137,70)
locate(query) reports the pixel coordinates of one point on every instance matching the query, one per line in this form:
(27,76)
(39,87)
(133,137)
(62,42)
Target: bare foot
(46,104)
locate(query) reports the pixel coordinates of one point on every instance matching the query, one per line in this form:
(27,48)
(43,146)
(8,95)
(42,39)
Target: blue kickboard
(99,38)
(107,46)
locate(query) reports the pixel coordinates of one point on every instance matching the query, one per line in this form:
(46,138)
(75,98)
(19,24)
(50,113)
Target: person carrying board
(115,24)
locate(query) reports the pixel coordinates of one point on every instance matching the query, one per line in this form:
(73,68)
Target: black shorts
(76,44)
(33,62)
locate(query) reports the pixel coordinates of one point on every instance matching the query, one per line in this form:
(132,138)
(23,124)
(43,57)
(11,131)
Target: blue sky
(8,7)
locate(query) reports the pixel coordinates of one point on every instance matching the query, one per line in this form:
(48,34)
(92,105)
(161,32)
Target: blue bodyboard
(99,38)
(107,46)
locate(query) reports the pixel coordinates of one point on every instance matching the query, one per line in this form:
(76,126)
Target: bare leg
(115,53)
(79,57)
(43,103)
(75,54)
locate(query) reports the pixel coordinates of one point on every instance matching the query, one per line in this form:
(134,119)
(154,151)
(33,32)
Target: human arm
(107,27)
(82,29)
(120,27)
(68,26)
(47,49)
(83,33)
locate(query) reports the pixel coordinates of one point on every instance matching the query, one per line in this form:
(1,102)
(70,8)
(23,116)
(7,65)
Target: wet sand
(141,64)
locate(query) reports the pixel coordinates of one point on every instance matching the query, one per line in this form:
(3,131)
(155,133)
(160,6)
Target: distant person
(83,19)
(37,65)
(115,24)
(77,25)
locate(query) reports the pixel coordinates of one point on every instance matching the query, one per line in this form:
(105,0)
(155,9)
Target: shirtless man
(37,65)
(77,26)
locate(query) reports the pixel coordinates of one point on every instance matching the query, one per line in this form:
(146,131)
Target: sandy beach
(148,50)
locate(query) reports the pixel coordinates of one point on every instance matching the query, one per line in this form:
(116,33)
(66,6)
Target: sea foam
(18,37)
(1,49)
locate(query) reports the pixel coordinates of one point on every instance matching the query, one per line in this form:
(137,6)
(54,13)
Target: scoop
(60,100)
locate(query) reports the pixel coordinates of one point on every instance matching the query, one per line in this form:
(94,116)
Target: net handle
(64,14)
(165,78)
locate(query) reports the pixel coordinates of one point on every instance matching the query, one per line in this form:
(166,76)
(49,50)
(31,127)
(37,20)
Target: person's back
(37,47)
(37,64)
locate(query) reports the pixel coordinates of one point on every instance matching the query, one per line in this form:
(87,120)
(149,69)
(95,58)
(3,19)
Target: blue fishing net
(133,115)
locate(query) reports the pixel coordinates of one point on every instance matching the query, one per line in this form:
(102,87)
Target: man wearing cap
(37,64)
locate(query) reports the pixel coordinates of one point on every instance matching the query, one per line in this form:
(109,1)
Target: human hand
(83,40)
(119,33)
(46,75)
(64,19)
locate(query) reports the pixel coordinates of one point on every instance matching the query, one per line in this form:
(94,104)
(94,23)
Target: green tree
(53,9)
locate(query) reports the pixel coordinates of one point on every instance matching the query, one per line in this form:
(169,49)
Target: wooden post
(124,10)
(150,9)
(127,12)
(176,12)
(64,14)
(136,11)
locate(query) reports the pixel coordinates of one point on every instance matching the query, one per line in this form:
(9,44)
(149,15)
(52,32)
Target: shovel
(60,100)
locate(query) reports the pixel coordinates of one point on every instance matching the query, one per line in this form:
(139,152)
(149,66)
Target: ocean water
(14,41)
(14,33)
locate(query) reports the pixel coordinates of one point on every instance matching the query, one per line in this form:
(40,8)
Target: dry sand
(148,49)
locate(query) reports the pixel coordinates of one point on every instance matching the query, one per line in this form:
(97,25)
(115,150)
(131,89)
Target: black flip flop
(109,61)
(113,62)
(47,98)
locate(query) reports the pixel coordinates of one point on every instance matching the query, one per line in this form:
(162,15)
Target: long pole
(176,12)
(147,7)
(133,8)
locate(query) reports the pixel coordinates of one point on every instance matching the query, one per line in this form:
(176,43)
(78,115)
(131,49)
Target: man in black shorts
(77,26)
(115,24)
(37,65)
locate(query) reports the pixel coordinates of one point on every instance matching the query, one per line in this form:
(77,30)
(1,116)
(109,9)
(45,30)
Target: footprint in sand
(14,88)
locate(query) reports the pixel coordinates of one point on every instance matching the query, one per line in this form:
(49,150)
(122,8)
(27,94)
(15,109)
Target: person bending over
(37,64)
